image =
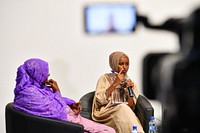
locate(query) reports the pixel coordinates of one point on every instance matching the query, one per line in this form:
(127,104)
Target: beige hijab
(114,60)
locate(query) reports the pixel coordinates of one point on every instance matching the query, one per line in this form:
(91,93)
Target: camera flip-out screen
(106,18)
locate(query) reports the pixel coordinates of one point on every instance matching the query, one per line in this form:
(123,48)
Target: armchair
(21,122)
(143,109)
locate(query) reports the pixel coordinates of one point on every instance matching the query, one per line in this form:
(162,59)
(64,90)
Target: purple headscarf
(33,97)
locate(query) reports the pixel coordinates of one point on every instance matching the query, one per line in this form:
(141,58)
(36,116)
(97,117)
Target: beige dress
(113,110)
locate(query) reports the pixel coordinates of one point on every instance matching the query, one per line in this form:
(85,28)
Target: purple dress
(32,97)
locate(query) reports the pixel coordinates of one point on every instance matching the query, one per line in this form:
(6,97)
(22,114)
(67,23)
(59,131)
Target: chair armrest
(86,103)
(144,111)
(58,126)
(21,122)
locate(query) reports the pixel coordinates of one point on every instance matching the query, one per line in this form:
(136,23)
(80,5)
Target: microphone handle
(131,94)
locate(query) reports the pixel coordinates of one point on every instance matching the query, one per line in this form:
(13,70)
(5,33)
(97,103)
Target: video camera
(174,79)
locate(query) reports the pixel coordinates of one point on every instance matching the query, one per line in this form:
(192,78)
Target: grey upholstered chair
(143,109)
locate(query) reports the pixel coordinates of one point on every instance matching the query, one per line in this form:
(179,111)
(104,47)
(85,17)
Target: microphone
(131,94)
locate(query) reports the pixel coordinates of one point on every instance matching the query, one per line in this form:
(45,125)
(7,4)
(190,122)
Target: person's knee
(124,110)
(123,113)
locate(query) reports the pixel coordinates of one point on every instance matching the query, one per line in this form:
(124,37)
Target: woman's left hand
(130,83)
(76,107)
(130,99)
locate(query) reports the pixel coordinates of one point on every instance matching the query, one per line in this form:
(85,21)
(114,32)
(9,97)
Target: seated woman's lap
(124,118)
(89,125)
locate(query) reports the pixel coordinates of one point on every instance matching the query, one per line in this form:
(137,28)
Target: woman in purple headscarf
(35,94)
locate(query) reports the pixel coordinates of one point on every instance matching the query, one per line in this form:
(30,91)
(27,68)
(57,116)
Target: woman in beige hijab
(112,103)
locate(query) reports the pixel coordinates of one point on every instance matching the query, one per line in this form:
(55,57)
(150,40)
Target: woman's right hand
(53,84)
(120,77)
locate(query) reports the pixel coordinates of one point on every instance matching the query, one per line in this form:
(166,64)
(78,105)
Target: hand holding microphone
(121,76)
(131,94)
(130,84)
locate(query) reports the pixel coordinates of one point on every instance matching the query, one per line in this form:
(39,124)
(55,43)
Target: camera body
(173,78)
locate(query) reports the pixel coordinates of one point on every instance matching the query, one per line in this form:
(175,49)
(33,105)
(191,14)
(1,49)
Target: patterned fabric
(89,126)
(35,98)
